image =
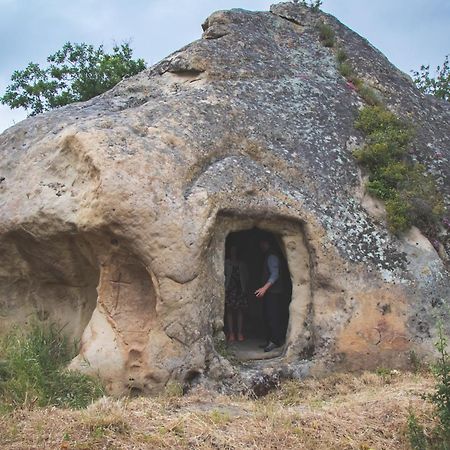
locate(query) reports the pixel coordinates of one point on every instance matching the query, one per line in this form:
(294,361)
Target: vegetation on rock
(326,34)
(409,191)
(32,371)
(368,94)
(76,73)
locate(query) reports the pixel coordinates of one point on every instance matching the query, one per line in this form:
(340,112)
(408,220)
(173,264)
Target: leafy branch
(437,85)
(75,73)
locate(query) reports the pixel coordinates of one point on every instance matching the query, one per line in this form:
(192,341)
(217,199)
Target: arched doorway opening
(253,317)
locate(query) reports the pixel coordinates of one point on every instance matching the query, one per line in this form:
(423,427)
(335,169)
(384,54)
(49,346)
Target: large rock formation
(114,212)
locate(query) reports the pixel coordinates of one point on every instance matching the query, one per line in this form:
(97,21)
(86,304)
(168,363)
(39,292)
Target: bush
(379,119)
(369,95)
(345,69)
(441,396)
(379,190)
(341,56)
(326,34)
(387,139)
(439,437)
(398,215)
(409,191)
(416,433)
(32,371)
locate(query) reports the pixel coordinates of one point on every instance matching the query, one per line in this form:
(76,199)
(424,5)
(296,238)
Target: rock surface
(114,212)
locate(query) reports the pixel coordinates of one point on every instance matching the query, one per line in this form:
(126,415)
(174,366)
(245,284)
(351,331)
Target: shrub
(441,396)
(416,433)
(33,371)
(410,193)
(398,215)
(369,95)
(345,69)
(387,138)
(439,437)
(417,365)
(379,119)
(326,34)
(341,56)
(379,190)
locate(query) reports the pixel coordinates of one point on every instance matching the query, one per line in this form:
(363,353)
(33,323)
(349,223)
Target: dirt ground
(367,411)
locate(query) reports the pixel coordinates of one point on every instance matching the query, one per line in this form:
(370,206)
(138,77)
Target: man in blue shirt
(272,294)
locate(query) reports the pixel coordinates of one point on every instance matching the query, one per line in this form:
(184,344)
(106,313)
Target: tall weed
(33,373)
(439,437)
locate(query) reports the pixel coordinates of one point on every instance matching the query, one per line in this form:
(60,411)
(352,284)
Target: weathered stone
(114,212)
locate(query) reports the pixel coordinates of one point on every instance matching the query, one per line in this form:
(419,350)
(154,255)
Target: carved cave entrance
(291,239)
(246,243)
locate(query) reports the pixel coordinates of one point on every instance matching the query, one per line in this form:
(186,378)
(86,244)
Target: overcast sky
(409,32)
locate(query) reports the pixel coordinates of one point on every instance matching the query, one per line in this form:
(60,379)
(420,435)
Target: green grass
(32,371)
(223,350)
(341,56)
(326,34)
(345,69)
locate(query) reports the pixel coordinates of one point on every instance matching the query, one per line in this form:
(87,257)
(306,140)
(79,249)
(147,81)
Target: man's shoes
(271,346)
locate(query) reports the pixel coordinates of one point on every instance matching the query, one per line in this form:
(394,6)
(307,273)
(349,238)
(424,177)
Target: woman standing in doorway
(236,298)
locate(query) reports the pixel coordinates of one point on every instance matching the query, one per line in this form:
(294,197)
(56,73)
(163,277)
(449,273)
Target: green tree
(75,73)
(437,85)
(314,4)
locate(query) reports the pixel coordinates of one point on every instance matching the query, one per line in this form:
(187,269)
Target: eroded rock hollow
(114,212)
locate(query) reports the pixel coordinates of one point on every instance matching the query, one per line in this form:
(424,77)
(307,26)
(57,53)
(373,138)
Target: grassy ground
(362,412)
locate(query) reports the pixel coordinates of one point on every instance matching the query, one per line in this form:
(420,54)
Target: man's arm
(274,273)
(274,268)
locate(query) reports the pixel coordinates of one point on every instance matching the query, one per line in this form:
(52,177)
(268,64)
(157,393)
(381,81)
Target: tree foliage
(314,4)
(75,73)
(437,85)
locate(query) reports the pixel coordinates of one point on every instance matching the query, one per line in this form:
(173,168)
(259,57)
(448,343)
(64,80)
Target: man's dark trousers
(272,317)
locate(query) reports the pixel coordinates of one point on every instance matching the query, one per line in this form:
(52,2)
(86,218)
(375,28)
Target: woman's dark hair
(265,236)
(229,246)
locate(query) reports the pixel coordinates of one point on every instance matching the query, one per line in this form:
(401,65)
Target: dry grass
(340,412)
